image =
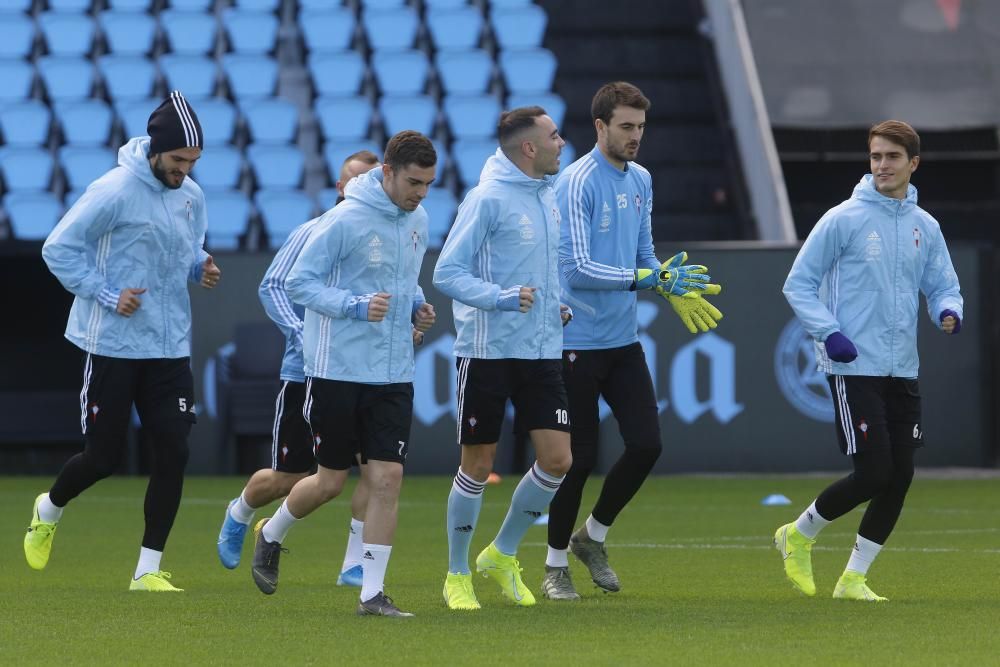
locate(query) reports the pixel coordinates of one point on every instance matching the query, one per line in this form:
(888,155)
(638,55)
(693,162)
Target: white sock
(48,511)
(811,522)
(557,558)
(374,561)
(597,530)
(241,510)
(352,556)
(278,525)
(149,561)
(863,554)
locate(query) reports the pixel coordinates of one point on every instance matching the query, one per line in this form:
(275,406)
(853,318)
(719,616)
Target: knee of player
(105,466)
(648,454)
(874,481)
(558,464)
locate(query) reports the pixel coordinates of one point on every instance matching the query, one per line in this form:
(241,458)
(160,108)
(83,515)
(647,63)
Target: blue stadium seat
(130,5)
(552,103)
(69,5)
(452,29)
(25,123)
(17,32)
(16,5)
(67,34)
(128,33)
(192,5)
(335,152)
(250,77)
(441,206)
(66,77)
(195,76)
(528,70)
(519,27)
(344,118)
(276,166)
(446,4)
(26,168)
(228,218)
(472,116)
(134,115)
(400,72)
(327,29)
(282,211)
(465,72)
(327,198)
(16,78)
(508,4)
(218,167)
(408,112)
(271,121)
(252,32)
(85,122)
(258,5)
(189,32)
(218,120)
(32,215)
(390,28)
(82,165)
(469,156)
(127,77)
(340,73)
(382,4)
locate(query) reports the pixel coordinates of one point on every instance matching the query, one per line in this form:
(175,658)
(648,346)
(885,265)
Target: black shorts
(534,386)
(876,412)
(622,377)
(291,440)
(348,417)
(162,391)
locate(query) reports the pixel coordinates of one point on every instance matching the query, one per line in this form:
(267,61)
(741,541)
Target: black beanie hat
(174,125)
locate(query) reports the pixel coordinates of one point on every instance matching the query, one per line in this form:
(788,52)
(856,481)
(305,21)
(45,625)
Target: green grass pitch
(701,585)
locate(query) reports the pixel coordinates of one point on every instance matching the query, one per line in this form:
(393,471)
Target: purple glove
(840,348)
(958,320)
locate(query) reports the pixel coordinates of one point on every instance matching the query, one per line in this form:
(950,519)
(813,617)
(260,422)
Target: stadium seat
(554,105)
(69,5)
(228,218)
(271,121)
(67,33)
(250,32)
(528,70)
(469,156)
(218,120)
(344,118)
(66,77)
(82,165)
(127,77)
(441,206)
(17,33)
(134,115)
(276,166)
(519,27)
(32,215)
(472,116)
(335,152)
(455,29)
(195,76)
(328,29)
(340,73)
(130,5)
(129,33)
(189,32)
(327,198)
(382,4)
(507,4)
(250,77)
(406,112)
(446,4)
(25,123)
(390,28)
(282,211)
(465,72)
(258,5)
(26,168)
(218,167)
(85,122)
(16,78)
(400,72)
(192,5)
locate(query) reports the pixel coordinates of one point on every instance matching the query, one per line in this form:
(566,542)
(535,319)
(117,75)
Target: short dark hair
(410,147)
(514,121)
(365,156)
(897,132)
(617,94)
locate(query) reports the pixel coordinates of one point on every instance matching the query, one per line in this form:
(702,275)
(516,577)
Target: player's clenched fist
(129,301)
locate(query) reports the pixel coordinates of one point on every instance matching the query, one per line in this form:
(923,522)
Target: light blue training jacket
(860,272)
(505,236)
(364,245)
(130,230)
(606,235)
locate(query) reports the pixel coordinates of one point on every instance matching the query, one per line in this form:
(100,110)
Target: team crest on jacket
(556,216)
(375,251)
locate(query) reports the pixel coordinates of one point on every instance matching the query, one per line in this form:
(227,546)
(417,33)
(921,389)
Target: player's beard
(621,153)
(161,174)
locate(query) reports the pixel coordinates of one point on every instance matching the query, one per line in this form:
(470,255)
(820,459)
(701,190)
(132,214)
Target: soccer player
(855,286)
(357,278)
(291,445)
(499,266)
(127,250)
(605,255)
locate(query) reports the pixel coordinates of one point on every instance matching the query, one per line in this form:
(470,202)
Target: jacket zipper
(170,261)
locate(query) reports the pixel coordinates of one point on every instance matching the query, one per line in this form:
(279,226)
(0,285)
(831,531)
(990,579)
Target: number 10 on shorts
(562,417)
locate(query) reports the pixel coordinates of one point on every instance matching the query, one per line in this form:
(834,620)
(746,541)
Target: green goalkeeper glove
(695,312)
(673,277)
